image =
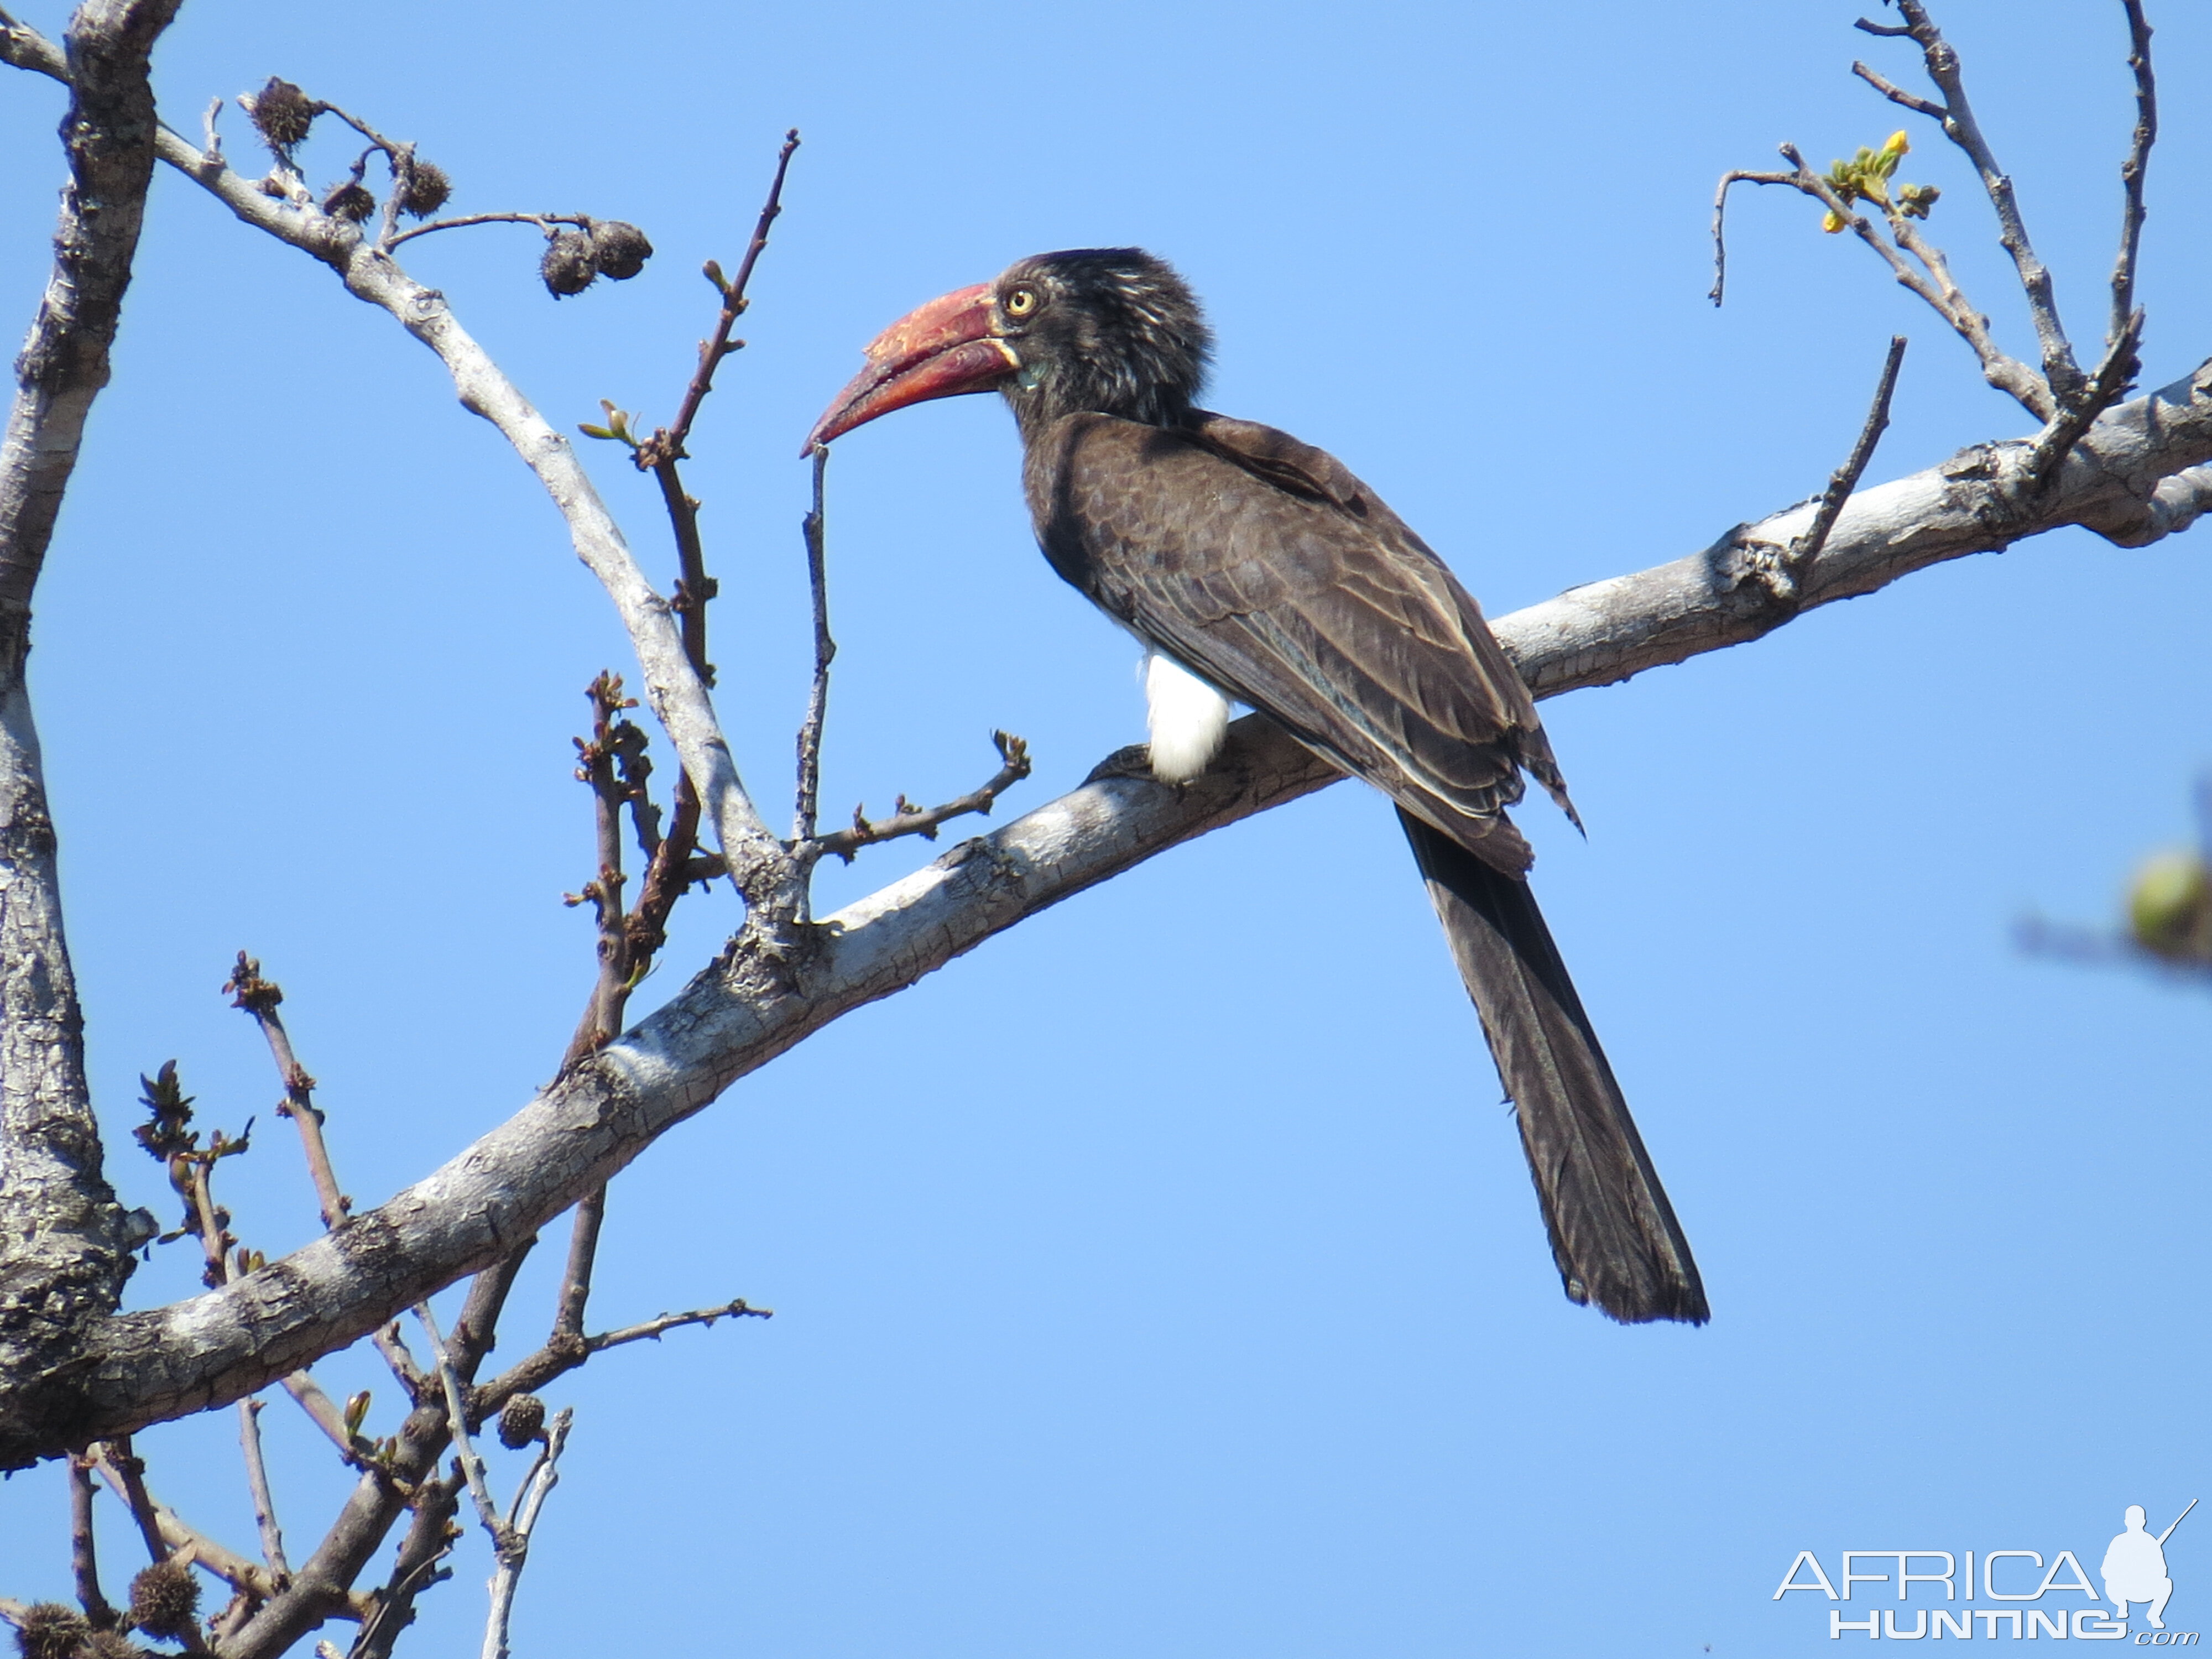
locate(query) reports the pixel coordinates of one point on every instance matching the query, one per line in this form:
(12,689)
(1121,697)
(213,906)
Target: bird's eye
(1021,301)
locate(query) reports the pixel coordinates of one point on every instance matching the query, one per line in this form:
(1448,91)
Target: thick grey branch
(743,1011)
(65,1244)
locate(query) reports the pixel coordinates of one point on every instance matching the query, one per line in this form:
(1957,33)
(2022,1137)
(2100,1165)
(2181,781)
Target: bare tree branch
(125,1474)
(906,819)
(257,1476)
(514,1551)
(1736,176)
(825,652)
(1956,114)
(674,690)
(1845,478)
(473,1464)
(429,1540)
(2114,376)
(1937,287)
(84,1557)
(259,998)
(167,1534)
(583,1256)
(64,1243)
(653,1329)
(542,221)
(567,1350)
(386,1490)
(2133,169)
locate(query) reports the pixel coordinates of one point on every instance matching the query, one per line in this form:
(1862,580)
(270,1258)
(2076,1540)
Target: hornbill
(1258,568)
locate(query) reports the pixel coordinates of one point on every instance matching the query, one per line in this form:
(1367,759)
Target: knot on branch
(1744,560)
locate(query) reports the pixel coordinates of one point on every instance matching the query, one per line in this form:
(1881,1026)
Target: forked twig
(1956,115)
(567,1350)
(908,819)
(522,1521)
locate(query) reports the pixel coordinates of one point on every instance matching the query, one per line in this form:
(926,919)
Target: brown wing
(1264,565)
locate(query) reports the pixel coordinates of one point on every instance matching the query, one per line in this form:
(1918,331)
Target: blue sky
(1164,1278)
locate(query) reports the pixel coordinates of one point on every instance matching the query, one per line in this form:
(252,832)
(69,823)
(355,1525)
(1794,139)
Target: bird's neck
(1040,398)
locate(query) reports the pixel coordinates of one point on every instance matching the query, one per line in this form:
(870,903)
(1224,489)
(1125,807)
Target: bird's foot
(1131,761)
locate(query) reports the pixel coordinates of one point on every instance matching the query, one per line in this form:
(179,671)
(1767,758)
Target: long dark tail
(1613,1233)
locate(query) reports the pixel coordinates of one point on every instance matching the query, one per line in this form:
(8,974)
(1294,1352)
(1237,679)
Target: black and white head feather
(1107,331)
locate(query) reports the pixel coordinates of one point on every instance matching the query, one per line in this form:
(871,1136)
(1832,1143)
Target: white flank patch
(1188,718)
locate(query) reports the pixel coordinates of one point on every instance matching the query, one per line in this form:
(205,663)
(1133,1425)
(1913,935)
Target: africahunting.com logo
(2132,1575)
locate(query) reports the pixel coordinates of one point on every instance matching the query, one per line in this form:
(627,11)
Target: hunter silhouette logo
(2135,1566)
(2134,1571)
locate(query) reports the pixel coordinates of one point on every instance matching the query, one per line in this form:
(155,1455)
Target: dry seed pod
(51,1631)
(163,1599)
(620,250)
(282,114)
(521,1420)
(424,189)
(568,267)
(351,201)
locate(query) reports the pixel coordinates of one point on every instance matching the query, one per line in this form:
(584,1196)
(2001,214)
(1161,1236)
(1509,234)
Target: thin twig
(825,651)
(165,1533)
(429,1540)
(323,1411)
(529,1503)
(259,997)
(567,1351)
(760,867)
(376,138)
(543,220)
(652,1329)
(628,943)
(2132,170)
(601,766)
(256,1478)
(583,1254)
(1956,114)
(2000,369)
(1738,176)
(667,445)
(2037,936)
(215,1239)
(471,1462)
(1845,478)
(923,821)
(124,1472)
(84,1557)
(1889,89)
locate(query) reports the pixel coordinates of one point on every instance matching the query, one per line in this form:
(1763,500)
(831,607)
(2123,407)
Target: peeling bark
(65,1244)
